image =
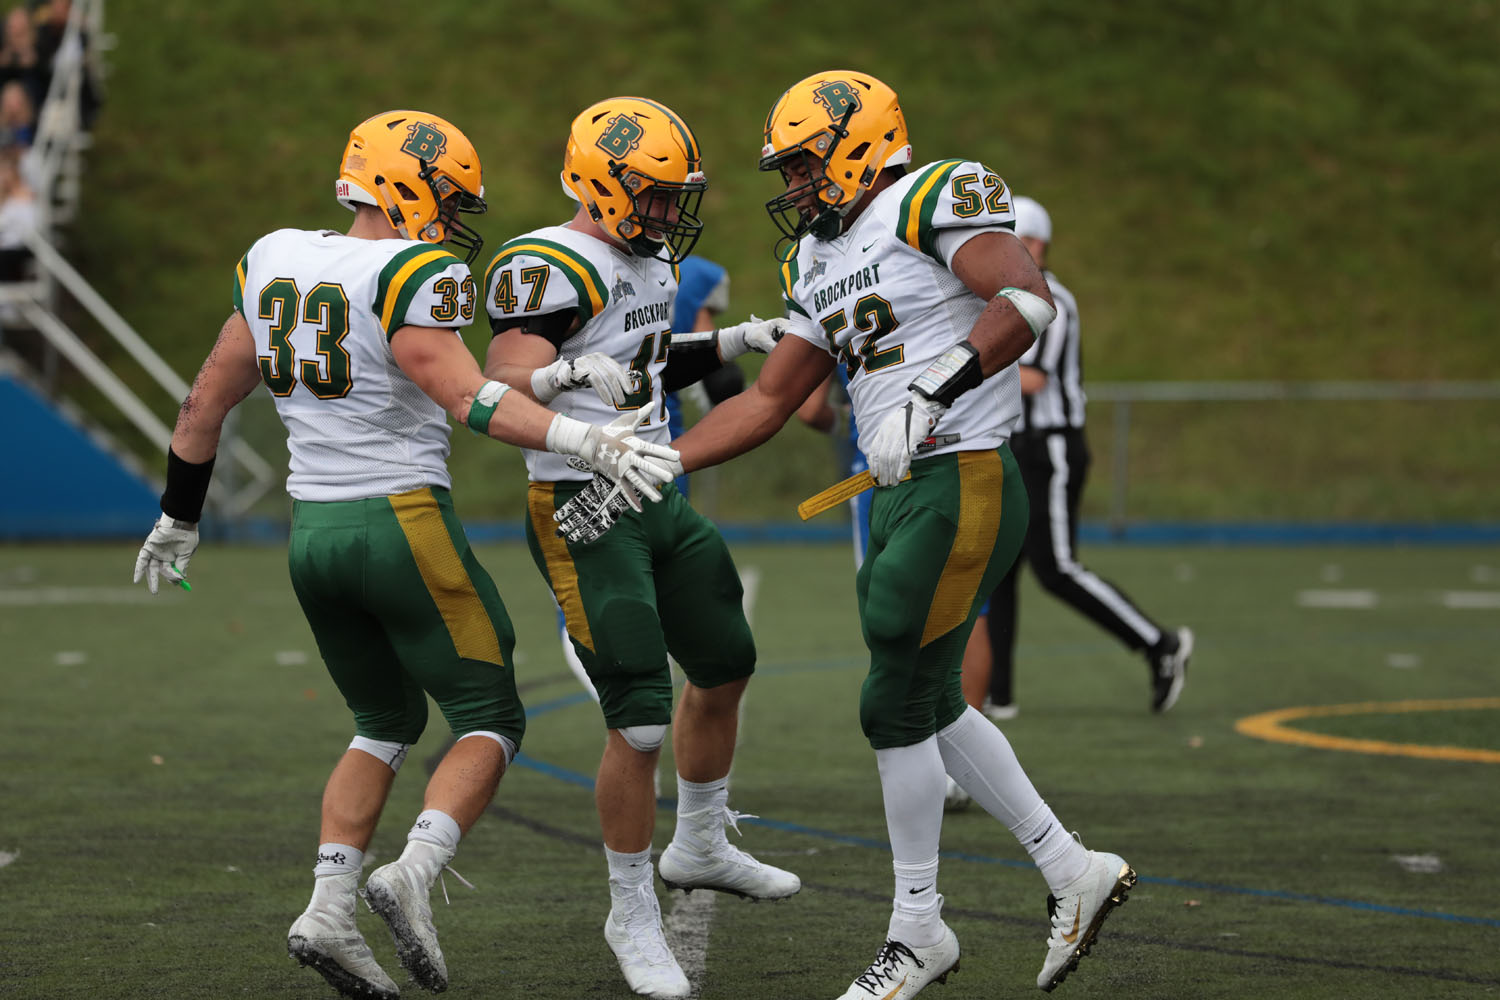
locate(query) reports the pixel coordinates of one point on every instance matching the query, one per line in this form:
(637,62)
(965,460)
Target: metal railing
(57,153)
(27,298)
(1124,395)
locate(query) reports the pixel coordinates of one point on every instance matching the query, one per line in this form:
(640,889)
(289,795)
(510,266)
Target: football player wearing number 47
(582,316)
(355,336)
(913,280)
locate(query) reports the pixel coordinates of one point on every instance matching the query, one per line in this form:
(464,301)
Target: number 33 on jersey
(322,307)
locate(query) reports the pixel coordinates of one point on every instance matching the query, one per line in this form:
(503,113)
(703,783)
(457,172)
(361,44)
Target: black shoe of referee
(1169,663)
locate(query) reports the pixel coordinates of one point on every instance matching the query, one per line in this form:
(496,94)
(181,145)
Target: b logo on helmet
(622,134)
(424,142)
(837,96)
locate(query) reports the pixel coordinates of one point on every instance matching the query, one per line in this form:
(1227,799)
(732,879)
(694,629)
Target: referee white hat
(1032,219)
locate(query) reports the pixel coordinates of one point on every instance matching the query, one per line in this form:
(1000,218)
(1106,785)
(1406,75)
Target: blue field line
(584,781)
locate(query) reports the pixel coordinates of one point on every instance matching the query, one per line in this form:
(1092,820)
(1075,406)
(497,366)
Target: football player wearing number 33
(595,295)
(914,281)
(355,336)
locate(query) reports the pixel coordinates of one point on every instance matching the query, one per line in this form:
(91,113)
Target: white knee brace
(392,754)
(507,745)
(644,738)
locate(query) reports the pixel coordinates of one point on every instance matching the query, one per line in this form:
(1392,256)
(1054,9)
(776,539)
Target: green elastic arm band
(483,408)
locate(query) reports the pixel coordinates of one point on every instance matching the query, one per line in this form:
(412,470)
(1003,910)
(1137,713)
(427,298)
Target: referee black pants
(1054,466)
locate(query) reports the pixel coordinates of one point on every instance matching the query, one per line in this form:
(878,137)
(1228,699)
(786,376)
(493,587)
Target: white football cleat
(634,933)
(955,799)
(398,893)
(711,862)
(1078,911)
(900,972)
(326,937)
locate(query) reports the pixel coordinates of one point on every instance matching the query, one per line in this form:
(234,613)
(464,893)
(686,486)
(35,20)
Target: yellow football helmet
(421,171)
(635,166)
(844,127)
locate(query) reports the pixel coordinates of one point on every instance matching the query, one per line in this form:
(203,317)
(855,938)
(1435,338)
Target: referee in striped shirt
(1053,455)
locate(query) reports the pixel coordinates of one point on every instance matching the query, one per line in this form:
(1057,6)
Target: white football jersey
(882,299)
(322,307)
(625,303)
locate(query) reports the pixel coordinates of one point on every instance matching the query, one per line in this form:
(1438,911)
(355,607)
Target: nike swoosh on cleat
(897,991)
(1070,938)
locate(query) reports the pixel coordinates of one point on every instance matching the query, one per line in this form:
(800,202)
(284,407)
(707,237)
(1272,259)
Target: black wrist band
(950,375)
(187,488)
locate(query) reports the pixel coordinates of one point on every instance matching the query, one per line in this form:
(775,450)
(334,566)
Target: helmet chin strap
(398,221)
(829,223)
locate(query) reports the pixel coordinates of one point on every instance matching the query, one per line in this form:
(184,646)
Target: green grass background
(1267,869)
(1240,190)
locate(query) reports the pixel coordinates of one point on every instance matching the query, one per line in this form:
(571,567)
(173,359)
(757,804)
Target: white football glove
(592,511)
(755,334)
(614,450)
(896,438)
(606,376)
(166,552)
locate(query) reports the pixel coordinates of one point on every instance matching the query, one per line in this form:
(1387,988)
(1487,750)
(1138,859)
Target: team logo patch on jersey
(815,272)
(622,134)
(424,142)
(622,288)
(837,96)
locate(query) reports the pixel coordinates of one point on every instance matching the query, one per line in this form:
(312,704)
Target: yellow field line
(1268,726)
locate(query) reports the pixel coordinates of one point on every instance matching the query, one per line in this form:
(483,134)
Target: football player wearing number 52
(582,317)
(914,281)
(355,337)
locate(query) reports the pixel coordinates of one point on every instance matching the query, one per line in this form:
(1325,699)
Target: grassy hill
(1239,190)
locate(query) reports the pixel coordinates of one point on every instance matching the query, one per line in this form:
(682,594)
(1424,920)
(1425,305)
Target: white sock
(700,811)
(1061,858)
(980,759)
(436,827)
(338,859)
(916,911)
(628,871)
(912,784)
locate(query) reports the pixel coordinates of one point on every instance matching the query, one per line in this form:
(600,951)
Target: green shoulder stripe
(914,223)
(592,295)
(240,270)
(401,278)
(789,273)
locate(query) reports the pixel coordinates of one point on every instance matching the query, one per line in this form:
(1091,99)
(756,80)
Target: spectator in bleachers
(20,59)
(17,217)
(17,116)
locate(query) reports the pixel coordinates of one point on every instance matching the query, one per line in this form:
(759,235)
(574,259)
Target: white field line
(32,597)
(6,857)
(1358,600)
(1470,600)
(693,912)
(750,580)
(687,932)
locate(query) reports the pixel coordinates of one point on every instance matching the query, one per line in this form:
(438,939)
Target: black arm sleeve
(553,327)
(187,487)
(721,383)
(686,367)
